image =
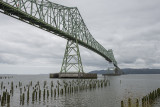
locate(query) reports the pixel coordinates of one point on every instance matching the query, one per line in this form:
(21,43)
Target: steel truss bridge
(62,21)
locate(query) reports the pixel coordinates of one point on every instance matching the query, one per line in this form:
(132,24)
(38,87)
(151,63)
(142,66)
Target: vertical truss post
(72,59)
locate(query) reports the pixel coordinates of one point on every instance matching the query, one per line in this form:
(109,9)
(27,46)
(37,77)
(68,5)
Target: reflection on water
(106,91)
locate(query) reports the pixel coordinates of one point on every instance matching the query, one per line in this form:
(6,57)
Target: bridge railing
(65,19)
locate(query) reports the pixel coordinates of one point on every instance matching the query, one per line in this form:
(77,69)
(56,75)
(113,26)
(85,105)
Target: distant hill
(130,71)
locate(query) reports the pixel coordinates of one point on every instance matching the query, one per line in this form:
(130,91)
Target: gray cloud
(130,28)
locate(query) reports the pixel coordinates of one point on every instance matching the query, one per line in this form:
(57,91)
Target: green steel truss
(63,21)
(72,59)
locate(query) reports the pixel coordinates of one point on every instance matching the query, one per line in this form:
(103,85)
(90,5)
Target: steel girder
(72,59)
(57,19)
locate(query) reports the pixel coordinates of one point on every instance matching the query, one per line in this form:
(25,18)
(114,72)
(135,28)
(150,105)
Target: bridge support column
(116,71)
(72,59)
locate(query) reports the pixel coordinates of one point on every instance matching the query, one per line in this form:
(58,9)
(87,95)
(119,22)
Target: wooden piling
(122,104)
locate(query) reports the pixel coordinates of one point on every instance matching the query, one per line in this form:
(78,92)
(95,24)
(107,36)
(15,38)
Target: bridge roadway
(60,20)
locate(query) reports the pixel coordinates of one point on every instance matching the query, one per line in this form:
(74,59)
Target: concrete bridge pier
(74,75)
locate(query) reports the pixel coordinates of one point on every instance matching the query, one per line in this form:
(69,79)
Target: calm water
(121,88)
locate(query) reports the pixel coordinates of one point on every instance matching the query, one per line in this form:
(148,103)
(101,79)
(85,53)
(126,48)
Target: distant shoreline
(129,71)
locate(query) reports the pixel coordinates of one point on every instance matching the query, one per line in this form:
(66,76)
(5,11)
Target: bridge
(62,21)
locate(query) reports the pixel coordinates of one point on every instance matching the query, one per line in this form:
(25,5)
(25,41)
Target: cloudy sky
(130,27)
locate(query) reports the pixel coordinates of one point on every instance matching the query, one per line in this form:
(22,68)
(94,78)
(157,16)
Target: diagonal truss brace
(72,59)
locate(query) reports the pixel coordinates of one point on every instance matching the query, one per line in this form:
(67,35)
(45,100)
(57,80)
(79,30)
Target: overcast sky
(130,27)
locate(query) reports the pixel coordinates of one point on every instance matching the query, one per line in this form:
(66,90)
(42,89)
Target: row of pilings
(146,101)
(150,98)
(130,103)
(41,92)
(6,77)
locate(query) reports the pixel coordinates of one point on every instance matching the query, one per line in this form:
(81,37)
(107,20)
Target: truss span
(63,21)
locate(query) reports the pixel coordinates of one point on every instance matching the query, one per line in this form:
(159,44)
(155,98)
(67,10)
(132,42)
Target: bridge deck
(21,13)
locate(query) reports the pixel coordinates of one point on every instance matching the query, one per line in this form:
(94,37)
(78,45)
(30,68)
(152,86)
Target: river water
(119,88)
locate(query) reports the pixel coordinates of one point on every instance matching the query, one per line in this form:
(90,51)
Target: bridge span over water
(62,21)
